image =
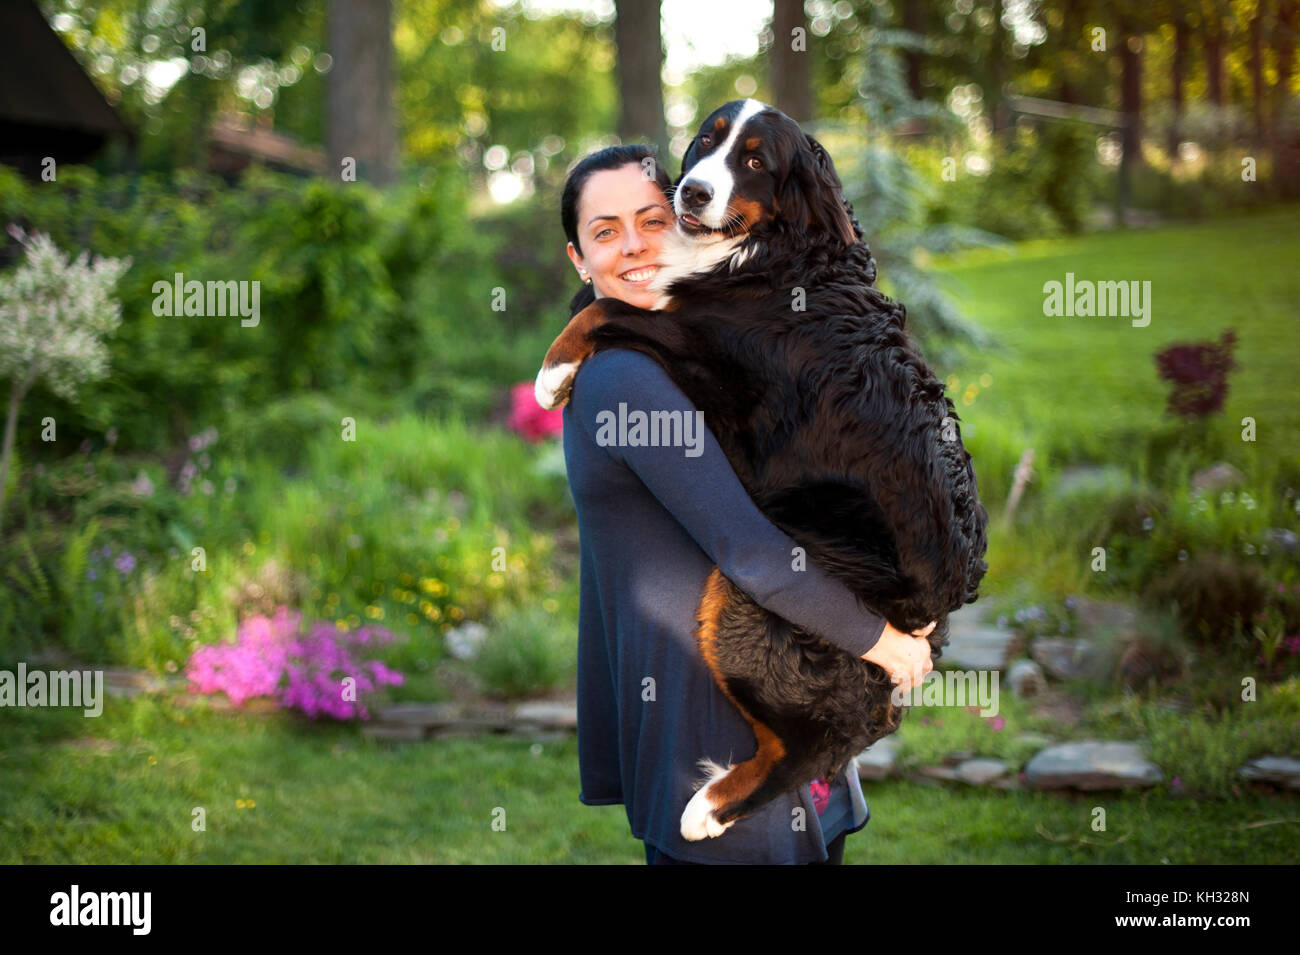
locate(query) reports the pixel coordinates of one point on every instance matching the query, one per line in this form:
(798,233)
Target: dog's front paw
(554,384)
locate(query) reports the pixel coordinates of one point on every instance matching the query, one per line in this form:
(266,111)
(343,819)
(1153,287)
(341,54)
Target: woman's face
(622,217)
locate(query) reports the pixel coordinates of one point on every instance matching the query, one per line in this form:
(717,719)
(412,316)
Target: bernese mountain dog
(769,320)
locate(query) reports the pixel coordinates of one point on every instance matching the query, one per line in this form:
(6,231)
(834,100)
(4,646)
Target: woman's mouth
(640,276)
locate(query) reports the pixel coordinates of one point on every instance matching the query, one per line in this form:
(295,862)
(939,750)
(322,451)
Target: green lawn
(323,794)
(1085,388)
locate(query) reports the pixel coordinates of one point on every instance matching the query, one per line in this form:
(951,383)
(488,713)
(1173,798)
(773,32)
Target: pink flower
(306,671)
(998,723)
(530,419)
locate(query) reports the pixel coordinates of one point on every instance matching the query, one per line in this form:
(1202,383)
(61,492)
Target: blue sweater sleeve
(701,490)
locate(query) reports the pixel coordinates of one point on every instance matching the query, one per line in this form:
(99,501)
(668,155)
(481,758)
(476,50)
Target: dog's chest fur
(683,257)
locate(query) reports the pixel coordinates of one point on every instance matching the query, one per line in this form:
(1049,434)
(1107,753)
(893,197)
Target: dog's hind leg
(724,787)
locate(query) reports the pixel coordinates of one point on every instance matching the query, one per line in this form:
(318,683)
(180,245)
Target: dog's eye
(753,162)
(706,141)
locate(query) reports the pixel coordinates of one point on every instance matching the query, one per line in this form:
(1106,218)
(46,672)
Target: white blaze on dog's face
(729,147)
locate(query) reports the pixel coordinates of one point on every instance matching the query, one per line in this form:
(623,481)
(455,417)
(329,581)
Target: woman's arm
(709,501)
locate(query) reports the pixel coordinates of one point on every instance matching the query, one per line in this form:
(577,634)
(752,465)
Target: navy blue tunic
(653,520)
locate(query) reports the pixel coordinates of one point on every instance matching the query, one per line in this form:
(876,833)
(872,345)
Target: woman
(652,523)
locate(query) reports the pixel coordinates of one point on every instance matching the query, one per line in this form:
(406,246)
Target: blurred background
(227,516)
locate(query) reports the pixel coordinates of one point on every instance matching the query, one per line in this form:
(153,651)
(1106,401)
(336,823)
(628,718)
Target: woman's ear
(813,194)
(576,259)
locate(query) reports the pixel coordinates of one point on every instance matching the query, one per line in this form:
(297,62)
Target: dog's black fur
(843,438)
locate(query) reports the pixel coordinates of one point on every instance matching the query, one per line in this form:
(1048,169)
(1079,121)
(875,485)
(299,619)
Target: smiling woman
(616,226)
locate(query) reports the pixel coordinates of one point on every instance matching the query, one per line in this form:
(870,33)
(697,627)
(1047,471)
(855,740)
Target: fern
(33,582)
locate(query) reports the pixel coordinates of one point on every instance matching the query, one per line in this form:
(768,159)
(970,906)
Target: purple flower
(99,598)
(91,574)
(125,563)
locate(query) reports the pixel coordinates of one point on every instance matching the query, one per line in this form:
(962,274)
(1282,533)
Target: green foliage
(527,652)
(1214,595)
(355,287)
(1040,183)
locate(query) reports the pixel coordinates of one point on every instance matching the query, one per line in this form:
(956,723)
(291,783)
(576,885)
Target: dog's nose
(696,194)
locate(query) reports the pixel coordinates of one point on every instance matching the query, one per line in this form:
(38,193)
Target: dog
(768,319)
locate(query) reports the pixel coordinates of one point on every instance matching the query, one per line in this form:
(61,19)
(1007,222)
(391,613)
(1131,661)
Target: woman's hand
(904,656)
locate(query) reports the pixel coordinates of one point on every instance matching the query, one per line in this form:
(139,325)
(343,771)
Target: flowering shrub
(1199,373)
(528,418)
(272,657)
(54,313)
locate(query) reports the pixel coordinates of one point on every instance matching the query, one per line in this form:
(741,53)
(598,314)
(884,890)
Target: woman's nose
(634,242)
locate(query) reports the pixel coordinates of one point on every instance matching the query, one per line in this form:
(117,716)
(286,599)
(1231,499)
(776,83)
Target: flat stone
(979,772)
(946,773)
(1091,764)
(974,645)
(430,715)
(879,759)
(1217,477)
(470,726)
(1026,678)
(1280,770)
(1064,658)
(1089,478)
(392,731)
(1104,616)
(1282,539)
(547,715)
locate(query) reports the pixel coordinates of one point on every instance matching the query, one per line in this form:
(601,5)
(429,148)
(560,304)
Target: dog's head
(751,166)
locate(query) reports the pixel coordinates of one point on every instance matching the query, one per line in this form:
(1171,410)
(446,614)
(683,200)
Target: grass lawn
(122,789)
(1085,388)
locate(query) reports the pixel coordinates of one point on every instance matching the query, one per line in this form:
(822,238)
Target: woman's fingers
(926,631)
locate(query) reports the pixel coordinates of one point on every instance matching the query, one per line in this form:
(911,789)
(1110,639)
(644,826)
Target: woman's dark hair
(611,157)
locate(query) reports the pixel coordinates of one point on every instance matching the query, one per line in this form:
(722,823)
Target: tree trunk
(914,17)
(1131,107)
(791,69)
(1286,141)
(996,73)
(1214,58)
(1071,30)
(1257,77)
(361,124)
(1178,76)
(640,59)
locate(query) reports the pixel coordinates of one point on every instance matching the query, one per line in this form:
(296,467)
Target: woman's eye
(602,232)
(753,162)
(653,221)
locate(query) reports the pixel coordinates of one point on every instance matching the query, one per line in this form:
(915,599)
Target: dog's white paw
(699,821)
(554,384)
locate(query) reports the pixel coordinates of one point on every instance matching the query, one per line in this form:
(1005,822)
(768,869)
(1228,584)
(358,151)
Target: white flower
(142,486)
(464,641)
(53,315)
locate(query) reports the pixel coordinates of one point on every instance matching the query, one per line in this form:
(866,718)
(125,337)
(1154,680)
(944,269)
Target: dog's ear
(813,194)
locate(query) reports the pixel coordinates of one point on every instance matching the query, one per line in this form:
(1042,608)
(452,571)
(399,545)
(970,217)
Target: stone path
(1085,765)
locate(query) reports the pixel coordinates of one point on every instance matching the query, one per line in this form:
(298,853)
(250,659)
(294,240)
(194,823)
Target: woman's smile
(640,276)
